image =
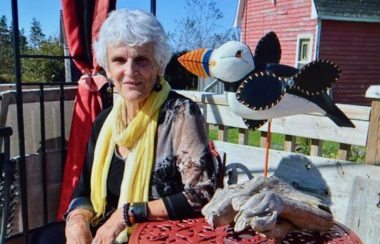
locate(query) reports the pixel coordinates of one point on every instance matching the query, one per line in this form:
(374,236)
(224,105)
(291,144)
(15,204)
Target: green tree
(40,69)
(53,69)
(44,70)
(6,57)
(22,39)
(37,37)
(6,50)
(199,27)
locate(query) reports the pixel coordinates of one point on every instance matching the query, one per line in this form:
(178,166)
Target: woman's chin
(134,96)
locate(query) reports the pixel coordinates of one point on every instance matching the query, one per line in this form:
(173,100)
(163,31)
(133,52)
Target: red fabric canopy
(82,18)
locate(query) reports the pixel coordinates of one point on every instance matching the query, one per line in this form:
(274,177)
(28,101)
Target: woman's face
(133,71)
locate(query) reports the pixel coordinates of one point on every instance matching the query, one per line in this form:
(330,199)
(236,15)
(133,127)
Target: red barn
(344,31)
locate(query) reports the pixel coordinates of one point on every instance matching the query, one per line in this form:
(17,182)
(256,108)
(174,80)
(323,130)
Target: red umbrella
(82,21)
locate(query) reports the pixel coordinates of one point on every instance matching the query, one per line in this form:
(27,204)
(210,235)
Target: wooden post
(315,147)
(263,138)
(243,136)
(289,143)
(222,133)
(344,151)
(373,139)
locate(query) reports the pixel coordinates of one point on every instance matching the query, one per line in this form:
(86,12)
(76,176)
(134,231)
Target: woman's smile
(132,84)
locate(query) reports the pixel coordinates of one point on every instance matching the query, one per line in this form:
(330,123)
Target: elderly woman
(148,158)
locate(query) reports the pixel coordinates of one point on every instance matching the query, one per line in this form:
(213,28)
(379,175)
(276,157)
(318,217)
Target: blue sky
(47,12)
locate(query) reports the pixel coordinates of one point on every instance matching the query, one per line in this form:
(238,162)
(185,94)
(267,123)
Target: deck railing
(47,111)
(314,126)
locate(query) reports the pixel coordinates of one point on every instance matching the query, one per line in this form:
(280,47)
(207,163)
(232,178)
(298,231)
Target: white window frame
(310,50)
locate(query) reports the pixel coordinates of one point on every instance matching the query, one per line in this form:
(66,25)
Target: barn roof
(350,10)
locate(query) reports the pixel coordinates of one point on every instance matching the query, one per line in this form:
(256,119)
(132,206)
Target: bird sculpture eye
(238,54)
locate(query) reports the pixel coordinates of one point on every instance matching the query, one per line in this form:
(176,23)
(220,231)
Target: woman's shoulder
(101,117)
(178,102)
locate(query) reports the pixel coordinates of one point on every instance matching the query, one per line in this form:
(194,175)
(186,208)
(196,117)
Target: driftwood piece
(219,210)
(269,206)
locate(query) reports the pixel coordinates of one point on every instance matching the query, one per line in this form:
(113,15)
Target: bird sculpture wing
(254,124)
(328,72)
(260,91)
(316,77)
(268,50)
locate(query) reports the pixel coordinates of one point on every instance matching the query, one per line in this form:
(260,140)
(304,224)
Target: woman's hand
(108,232)
(77,227)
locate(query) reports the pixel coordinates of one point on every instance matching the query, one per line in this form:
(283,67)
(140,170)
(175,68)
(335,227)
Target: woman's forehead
(146,49)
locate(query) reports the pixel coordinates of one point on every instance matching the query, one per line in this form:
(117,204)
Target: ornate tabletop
(198,231)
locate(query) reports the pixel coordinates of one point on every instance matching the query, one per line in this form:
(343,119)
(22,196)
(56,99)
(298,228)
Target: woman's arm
(108,232)
(77,226)
(194,161)
(81,194)
(156,210)
(80,211)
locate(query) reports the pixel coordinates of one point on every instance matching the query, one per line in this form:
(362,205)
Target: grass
(329,149)
(253,138)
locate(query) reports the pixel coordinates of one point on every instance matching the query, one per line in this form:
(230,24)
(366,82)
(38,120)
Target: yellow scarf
(139,138)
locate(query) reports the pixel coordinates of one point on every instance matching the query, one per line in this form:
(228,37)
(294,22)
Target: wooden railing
(317,127)
(373,142)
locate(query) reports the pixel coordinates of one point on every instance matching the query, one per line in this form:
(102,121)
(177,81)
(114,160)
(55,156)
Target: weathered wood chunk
(268,205)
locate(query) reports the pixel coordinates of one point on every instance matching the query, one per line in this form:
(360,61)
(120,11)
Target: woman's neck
(133,109)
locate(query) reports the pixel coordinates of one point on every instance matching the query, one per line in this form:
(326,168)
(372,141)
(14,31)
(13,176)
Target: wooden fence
(317,127)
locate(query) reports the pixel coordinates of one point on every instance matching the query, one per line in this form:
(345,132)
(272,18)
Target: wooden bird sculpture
(258,88)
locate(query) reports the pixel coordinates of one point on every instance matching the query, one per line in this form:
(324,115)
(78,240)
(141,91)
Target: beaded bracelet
(126,219)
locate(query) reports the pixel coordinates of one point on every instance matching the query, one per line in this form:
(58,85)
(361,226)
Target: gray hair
(133,28)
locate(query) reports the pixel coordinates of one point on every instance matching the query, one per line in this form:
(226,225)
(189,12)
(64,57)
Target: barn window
(304,48)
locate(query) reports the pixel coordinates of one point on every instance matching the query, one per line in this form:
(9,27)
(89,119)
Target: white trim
(239,13)
(314,13)
(318,28)
(303,36)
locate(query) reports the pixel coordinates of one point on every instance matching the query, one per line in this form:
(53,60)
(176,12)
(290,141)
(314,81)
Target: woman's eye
(142,61)
(118,60)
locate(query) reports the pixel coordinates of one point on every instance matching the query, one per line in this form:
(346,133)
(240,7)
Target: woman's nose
(130,68)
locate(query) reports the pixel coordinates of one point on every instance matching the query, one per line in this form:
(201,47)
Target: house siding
(354,46)
(287,18)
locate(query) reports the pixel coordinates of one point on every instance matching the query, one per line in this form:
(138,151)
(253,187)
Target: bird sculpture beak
(197,62)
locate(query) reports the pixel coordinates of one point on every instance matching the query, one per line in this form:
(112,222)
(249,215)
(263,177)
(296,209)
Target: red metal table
(198,231)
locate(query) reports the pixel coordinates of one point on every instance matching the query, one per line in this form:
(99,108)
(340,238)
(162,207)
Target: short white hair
(133,28)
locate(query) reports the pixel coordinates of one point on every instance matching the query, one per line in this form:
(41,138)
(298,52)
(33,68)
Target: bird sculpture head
(218,63)
(232,61)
